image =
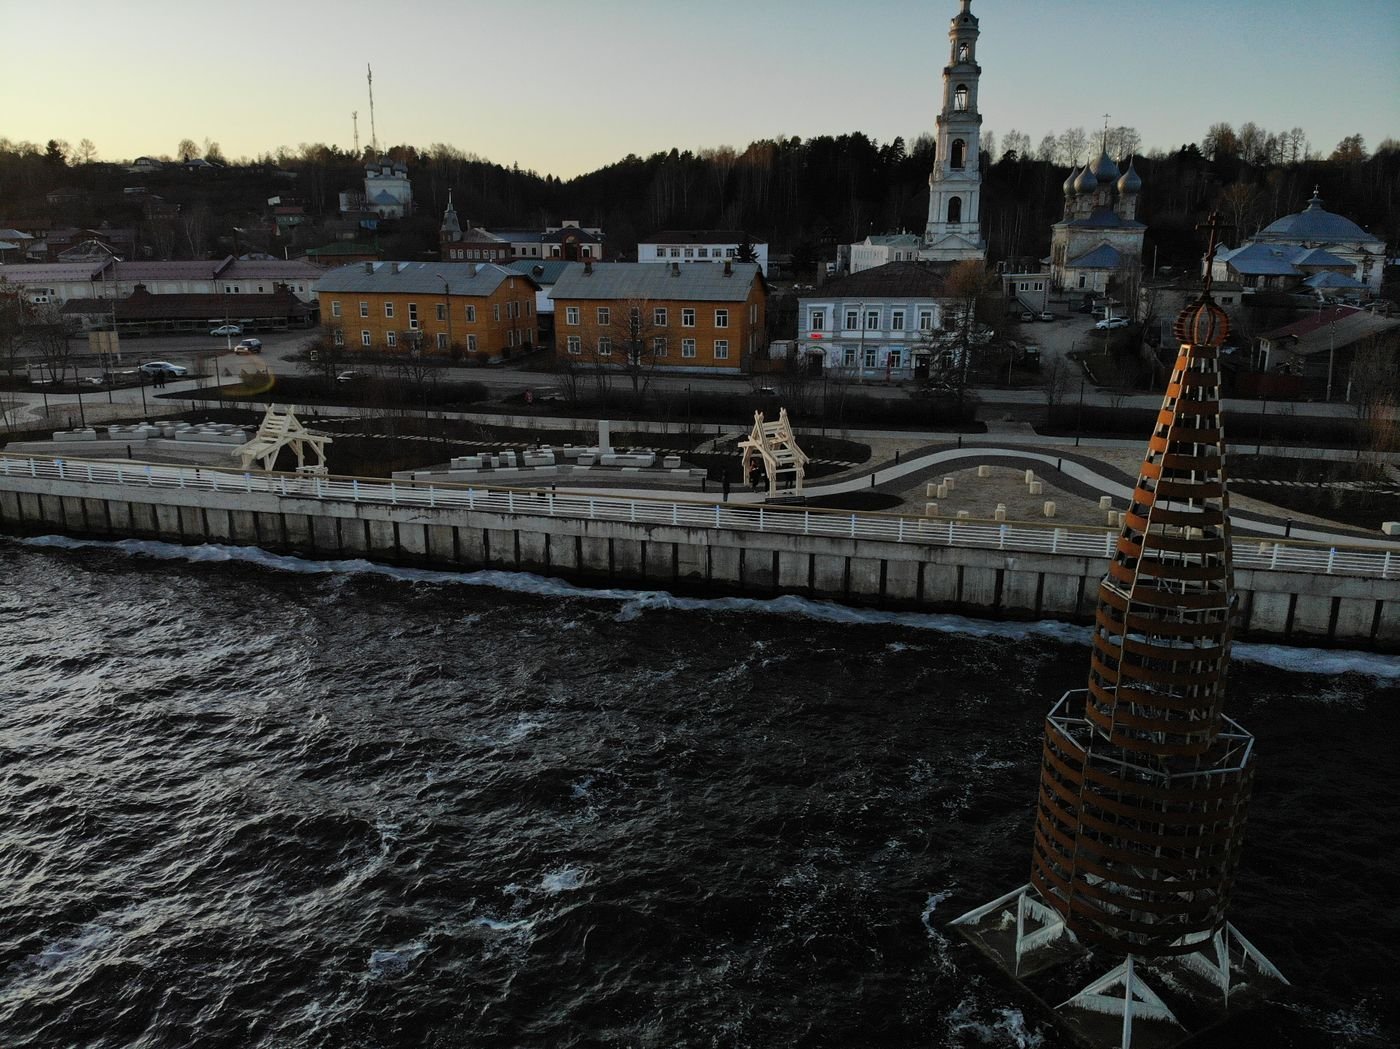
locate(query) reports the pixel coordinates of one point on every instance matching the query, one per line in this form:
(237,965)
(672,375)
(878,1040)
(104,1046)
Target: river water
(257,801)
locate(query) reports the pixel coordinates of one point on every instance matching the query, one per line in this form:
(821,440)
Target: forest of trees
(803,196)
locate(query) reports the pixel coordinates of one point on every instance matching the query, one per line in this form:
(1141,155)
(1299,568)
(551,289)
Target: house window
(688,317)
(413,316)
(675,253)
(658,316)
(391,339)
(753,313)
(893,360)
(570,314)
(442,340)
(364,309)
(338,337)
(604,315)
(605,347)
(690,253)
(575,345)
(897,320)
(388,309)
(658,346)
(660,253)
(848,356)
(721,318)
(364,338)
(471,314)
(926,320)
(704,253)
(495,311)
(260,289)
(442,311)
(729,253)
(687,347)
(818,320)
(852,320)
(721,349)
(872,320)
(471,343)
(870,358)
(335,307)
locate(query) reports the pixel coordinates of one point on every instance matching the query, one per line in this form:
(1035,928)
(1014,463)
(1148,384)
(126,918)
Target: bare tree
(1073,142)
(187,150)
(1374,388)
(86,152)
(51,336)
(1220,141)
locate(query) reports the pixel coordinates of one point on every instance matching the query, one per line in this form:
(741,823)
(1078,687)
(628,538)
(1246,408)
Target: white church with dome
(1312,250)
(1099,238)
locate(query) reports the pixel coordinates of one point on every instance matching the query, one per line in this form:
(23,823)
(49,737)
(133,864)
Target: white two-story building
(878,324)
(700,245)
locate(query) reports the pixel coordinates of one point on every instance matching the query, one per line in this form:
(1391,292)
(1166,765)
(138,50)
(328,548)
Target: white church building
(954,229)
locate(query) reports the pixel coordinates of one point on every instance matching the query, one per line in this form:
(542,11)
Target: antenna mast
(373,138)
(355,119)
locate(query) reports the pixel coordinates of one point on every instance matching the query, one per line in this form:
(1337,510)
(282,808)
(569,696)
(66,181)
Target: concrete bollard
(1112,519)
(1105,502)
(1049,508)
(930,489)
(984,471)
(1030,476)
(999,514)
(948,483)
(963,515)
(941,491)
(1122,519)
(1391,527)
(1036,487)
(1265,547)
(930,509)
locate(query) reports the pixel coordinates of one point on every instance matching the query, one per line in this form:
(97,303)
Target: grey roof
(1328,279)
(14,234)
(271,269)
(546,272)
(1314,223)
(1320,257)
(426,278)
(905,280)
(1262,260)
(567,233)
(648,280)
(32,272)
(1104,257)
(896,240)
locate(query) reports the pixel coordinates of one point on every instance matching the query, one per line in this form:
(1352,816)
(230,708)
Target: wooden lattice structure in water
(1144,787)
(775,445)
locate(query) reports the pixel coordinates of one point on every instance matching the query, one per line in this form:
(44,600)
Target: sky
(567,86)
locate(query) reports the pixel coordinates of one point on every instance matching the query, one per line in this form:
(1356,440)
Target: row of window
(659,347)
(514,311)
(391,339)
(506,251)
(817,320)
(696,253)
(660,316)
(237,289)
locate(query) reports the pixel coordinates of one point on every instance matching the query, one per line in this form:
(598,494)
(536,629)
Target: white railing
(1287,555)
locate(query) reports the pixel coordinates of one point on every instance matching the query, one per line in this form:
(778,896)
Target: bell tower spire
(954,229)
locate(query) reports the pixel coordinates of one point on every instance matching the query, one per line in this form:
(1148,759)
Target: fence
(1292,555)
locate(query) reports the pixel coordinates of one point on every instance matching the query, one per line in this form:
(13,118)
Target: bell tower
(954,229)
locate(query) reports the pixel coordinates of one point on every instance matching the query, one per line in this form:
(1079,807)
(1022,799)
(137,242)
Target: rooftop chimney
(675,269)
(728,268)
(588,266)
(369,267)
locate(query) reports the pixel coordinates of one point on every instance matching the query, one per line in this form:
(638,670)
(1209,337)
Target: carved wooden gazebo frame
(280,428)
(775,444)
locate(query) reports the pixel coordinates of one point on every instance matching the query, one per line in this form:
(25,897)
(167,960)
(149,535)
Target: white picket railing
(1281,555)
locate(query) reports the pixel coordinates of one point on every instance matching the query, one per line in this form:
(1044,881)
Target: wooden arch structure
(775,445)
(280,428)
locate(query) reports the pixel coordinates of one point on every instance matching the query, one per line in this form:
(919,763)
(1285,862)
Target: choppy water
(255,801)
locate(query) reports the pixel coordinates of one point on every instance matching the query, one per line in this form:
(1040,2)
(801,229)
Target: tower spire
(373,138)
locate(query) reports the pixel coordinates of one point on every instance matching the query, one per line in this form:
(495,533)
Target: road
(206,357)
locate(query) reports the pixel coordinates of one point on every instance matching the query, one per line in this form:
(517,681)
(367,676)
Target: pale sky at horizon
(567,86)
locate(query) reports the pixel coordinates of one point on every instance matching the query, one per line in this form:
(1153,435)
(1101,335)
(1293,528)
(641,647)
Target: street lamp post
(447,308)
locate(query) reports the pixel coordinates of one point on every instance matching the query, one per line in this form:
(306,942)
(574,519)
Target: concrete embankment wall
(1300,607)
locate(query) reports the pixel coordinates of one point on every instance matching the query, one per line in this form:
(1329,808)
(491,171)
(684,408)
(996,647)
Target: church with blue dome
(1099,238)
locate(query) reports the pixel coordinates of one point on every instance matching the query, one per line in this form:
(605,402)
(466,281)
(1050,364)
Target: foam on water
(565,879)
(387,962)
(636,603)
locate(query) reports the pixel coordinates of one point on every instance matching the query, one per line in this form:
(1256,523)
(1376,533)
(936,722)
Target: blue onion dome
(1086,182)
(1105,170)
(1068,187)
(1131,182)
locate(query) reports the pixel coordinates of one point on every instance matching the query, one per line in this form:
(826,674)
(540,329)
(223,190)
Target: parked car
(249,346)
(1111,322)
(1046,315)
(1027,315)
(226,329)
(351,376)
(164,368)
(1088,307)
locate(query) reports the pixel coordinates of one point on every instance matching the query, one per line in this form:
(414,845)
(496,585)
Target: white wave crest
(395,960)
(636,603)
(565,879)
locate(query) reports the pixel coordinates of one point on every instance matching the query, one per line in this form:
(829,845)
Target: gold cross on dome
(1212,243)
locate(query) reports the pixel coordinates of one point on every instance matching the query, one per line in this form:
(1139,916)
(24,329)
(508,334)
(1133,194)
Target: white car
(1111,322)
(226,329)
(164,368)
